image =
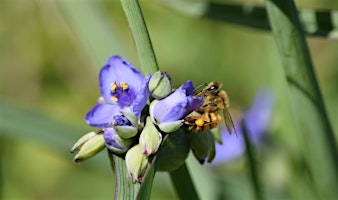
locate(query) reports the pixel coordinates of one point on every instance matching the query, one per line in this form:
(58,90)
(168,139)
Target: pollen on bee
(113,87)
(199,122)
(124,86)
(115,99)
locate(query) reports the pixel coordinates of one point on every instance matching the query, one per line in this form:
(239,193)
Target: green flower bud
(202,145)
(136,162)
(82,140)
(160,85)
(90,148)
(150,138)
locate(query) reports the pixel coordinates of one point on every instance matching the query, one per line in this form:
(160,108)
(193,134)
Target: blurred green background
(50,56)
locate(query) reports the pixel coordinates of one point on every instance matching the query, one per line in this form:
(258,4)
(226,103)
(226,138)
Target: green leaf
(321,23)
(315,131)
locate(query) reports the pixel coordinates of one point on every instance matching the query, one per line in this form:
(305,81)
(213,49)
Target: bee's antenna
(202,85)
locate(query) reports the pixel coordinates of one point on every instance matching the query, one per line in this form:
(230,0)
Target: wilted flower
(169,112)
(256,119)
(115,143)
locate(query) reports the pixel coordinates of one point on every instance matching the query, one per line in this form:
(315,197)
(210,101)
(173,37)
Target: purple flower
(123,87)
(169,111)
(256,119)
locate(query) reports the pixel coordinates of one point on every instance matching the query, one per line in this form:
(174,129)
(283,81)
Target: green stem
(141,37)
(183,183)
(320,148)
(252,163)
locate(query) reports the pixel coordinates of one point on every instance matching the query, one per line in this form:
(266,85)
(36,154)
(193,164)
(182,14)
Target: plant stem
(252,163)
(183,183)
(141,37)
(316,133)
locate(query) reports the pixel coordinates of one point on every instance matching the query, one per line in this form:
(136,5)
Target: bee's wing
(228,121)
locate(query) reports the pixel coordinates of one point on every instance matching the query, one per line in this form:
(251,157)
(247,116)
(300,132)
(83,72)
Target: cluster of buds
(135,113)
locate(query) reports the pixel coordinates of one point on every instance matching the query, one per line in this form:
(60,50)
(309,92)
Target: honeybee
(205,117)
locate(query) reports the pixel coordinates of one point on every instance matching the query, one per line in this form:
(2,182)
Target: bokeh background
(50,56)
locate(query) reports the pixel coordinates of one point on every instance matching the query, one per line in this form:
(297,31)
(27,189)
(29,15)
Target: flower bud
(115,143)
(160,85)
(90,148)
(150,138)
(82,140)
(136,162)
(202,145)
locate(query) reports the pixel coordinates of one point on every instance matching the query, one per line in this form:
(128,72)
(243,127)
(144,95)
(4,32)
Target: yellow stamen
(113,87)
(124,85)
(199,122)
(115,99)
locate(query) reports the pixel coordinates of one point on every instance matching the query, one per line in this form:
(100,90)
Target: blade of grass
(320,23)
(252,163)
(141,36)
(316,134)
(183,183)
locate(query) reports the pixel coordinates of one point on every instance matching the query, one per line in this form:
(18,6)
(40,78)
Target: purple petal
(177,105)
(101,115)
(118,70)
(232,147)
(141,97)
(257,118)
(111,141)
(188,87)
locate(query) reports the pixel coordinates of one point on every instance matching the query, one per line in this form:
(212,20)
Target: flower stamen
(113,87)
(115,99)
(124,85)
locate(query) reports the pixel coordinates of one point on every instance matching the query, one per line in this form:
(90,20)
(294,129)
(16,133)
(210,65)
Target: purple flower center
(121,120)
(122,94)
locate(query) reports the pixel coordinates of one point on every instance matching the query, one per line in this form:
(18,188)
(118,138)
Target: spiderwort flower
(257,119)
(124,90)
(169,112)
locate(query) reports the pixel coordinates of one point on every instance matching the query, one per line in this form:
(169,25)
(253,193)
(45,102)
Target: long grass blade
(315,132)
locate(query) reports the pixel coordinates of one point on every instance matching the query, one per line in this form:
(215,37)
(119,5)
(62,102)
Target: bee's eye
(214,87)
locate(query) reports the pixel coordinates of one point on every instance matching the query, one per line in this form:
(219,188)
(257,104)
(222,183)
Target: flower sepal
(126,132)
(202,145)
(150,138)
(173,151)
(169,127)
